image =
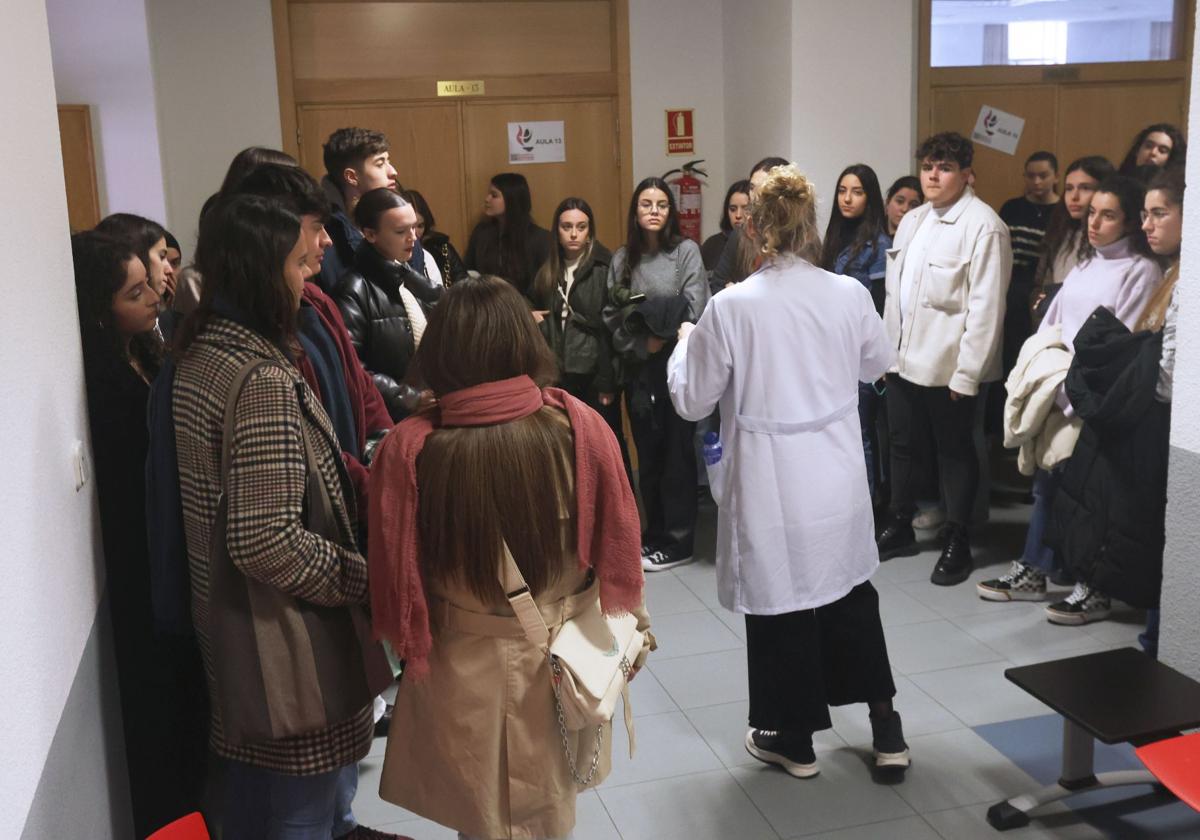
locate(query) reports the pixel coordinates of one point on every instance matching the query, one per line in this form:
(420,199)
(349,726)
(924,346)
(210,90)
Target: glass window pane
(971,33)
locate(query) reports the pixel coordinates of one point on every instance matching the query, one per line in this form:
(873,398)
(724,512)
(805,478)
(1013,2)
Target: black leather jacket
(368,296)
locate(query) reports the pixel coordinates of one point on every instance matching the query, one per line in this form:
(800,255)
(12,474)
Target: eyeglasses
(1158,214)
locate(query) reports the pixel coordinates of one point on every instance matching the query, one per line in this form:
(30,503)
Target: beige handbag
(591,662)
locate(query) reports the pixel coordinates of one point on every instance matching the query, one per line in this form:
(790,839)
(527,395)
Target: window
(972,33)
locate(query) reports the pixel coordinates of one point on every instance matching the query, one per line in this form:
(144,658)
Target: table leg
(1078,762)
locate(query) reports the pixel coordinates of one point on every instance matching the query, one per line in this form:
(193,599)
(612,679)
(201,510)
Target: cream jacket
(1032,420)
(951,333)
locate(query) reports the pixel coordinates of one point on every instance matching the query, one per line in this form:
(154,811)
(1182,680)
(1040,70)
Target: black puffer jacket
(583,345)
(368,296)
(1107,519)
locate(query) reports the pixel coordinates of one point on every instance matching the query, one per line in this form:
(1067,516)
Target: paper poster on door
(537,142)
(998,130)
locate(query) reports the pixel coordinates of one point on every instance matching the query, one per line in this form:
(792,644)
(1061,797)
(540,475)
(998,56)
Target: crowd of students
(330,408)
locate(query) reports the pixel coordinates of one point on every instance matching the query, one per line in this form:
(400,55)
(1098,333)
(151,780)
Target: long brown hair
(483,486)
(552,271)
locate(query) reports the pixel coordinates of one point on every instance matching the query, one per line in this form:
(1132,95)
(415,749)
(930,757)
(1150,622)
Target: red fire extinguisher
(686,189)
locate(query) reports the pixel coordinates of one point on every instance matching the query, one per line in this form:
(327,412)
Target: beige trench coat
(476,745)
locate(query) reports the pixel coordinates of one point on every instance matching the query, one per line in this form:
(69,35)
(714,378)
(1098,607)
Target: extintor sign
(681,136)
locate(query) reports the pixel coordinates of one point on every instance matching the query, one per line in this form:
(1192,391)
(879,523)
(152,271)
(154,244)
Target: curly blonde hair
(784,215)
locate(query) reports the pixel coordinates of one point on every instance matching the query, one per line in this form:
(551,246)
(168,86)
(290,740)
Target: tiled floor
(692,779)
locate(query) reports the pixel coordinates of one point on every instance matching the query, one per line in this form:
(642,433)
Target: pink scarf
(607,522)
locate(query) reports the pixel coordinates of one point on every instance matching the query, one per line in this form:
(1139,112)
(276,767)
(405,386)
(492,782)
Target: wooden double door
(450,150)
(379,64)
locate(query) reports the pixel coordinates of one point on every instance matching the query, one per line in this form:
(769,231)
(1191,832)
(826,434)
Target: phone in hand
(638,298)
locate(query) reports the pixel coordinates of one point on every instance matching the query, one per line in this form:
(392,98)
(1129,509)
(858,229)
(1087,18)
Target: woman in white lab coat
(782,354)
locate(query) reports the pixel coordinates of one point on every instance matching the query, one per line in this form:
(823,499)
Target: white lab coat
(783,353)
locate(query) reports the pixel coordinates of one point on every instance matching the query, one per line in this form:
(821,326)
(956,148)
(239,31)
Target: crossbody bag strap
(516,590)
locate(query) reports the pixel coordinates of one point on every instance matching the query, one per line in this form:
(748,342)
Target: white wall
(102,59)
(1179,638)
(758,83)
(51,577)
(853,90)
(217,93)
(676,60)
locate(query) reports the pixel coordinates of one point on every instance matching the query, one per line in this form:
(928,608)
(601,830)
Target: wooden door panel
(590,171)
(1103,119)
(425,149)
(998,176)
(79,167)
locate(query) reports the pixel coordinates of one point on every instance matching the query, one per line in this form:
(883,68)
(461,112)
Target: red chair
(191,827)
(1176,763)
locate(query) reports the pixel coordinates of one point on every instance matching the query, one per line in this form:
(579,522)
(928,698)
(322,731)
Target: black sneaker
(794,753)
(897,539)
(1021,582)
(663,559)
(887,741)
(1083,605)
(954,566)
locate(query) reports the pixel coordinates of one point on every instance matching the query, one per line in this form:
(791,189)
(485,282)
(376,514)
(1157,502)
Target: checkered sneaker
(1020,583)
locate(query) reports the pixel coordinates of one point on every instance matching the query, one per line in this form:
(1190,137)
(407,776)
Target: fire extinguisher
(686,189)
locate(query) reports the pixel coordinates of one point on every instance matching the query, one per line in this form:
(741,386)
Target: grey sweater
(662,274)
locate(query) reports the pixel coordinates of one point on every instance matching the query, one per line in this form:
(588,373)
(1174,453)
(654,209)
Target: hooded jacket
(1108,516)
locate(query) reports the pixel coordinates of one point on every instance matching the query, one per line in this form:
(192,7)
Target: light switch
(82,468)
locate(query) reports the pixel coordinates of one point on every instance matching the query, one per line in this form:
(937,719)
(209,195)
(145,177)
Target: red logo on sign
(681,139)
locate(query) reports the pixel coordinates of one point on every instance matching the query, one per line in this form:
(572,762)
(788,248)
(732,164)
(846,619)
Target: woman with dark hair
(656,282)
(1116,272)
(1064,231)
(733,213)
(249,159)
(739,258)
(507,242)
(270,536)
(148,239)
(505,473)
(903,195)
(1161,144)
(159,675)
(856,246)
(795,532)
(382,298)
(443,256)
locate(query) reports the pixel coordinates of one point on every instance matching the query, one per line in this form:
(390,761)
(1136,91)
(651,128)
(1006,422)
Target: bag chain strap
(556,669)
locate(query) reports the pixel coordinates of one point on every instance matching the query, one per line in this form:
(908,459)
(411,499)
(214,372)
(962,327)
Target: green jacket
(583,344)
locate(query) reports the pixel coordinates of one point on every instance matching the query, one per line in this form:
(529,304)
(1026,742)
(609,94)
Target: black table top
(1117,695)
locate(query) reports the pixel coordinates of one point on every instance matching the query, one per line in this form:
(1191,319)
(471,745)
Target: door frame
(929,78)
(616,83)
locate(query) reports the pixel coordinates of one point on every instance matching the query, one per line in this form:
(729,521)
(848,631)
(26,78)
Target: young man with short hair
(946,282)
(1026,217)
(357,160)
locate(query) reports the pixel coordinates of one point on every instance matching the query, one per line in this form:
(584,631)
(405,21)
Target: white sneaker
(929,519)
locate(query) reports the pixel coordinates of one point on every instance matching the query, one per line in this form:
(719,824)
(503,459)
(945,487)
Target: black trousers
(579,385)
(952,423)
(801,663)
(667,472)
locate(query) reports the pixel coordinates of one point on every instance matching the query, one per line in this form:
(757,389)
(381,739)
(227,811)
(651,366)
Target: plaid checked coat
(266,537)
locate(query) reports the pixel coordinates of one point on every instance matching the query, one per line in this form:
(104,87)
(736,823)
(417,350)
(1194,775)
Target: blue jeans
(868,411)
(259,804)
(1037,553)
(343,801)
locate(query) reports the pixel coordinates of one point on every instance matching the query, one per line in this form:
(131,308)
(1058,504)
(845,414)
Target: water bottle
(711,448)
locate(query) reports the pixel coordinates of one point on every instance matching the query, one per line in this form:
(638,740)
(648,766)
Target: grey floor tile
(648,697)
(897,607)
(1122,627)
(1017,629)
(666,595)
(736,622)
(1032,657)
(922,715)
(369,809)
(691,633)
(934,645)
(843,795)
(592,821)
(724,728)
(667,745)
(979,694)
(378,748)
(705,680)
(705,806)
(419,829)
(970,823)
(702,581)
(952,769)
(906,569)
(959,600)
(906,828)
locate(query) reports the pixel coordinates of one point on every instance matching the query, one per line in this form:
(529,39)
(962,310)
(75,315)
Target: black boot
(954,566)
(897,539)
